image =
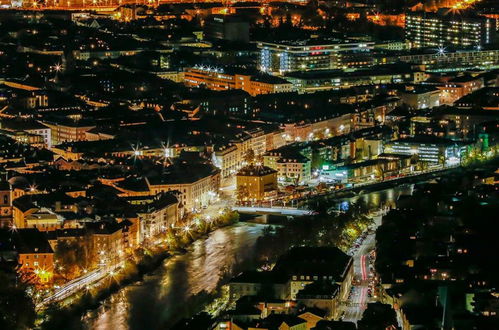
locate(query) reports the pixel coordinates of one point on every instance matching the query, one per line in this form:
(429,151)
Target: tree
(380,171)
(72,258)
(378,316)
(17,310)
(249,156)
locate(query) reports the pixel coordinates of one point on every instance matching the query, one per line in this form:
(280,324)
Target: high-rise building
(449,28)
(306,55)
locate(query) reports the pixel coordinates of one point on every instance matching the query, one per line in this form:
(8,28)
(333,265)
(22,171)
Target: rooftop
(255,170)
(31,240)
(315,261)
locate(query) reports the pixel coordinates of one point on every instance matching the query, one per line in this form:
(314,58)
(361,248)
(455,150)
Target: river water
(173,290)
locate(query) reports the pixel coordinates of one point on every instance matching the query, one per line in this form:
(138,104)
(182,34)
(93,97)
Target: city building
(156,213)
(108,244)
(466,122)
(420,97)
(194,188)
(226,27)
(456,88)
(198,184)
(64,130)
(305,55)
(307,265)
(312,81)
(448,28)
(227,158)
(250,283)
(291,165)
(486,99)
(220,79)
(33,132)
(35,256)
(256,182)
(5,204)
(426,148)
(323,295)
(366,170)
(445,59)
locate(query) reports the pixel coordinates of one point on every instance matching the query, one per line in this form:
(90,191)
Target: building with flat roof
(313,81)
(457,87)
(305,55)
(221,79)
(447,28)
(306,265)
(255,182)
(290,163)
(227,27)
(444,59)
(427,148)
(420,96)
(156,213)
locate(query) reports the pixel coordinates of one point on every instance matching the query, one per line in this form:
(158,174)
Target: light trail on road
(363,267)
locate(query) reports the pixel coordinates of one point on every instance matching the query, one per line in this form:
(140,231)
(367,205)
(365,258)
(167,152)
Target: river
(170,292)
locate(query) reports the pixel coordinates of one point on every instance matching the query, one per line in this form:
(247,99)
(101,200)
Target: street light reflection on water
(173,291)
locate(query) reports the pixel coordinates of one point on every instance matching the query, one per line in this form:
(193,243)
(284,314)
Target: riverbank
(143,262)
(183,285)
(196,277)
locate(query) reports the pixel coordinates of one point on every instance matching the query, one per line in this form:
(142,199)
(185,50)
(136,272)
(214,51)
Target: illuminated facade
(289,56)
(427,149)
(35,257)
(256,182)
(448,60)
(456,88)
(313,81)
(291,167)
(227,158)
(5,204)
(69,131)
(194,193)
(220,80)
(444,28)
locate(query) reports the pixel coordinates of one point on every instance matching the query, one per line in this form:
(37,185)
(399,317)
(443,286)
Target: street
(77,284)
(359,297)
